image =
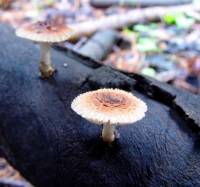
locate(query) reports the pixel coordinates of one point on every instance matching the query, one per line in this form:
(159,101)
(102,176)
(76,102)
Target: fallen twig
(121,20)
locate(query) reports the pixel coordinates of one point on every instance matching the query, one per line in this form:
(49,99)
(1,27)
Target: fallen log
(101,44)
(122,20)
(52,146)
(135,3)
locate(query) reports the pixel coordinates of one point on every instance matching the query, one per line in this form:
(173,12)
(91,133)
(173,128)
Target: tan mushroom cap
(45,31)
(109,106)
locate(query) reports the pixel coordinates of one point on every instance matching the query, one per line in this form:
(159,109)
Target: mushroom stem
(46,67)
(108,133)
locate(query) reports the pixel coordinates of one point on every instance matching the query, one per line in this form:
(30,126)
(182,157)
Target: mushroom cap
(109,106)
(45,31)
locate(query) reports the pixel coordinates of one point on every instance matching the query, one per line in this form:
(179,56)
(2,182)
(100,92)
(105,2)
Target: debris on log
(52,146)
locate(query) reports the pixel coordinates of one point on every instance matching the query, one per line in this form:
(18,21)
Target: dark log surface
(52,146)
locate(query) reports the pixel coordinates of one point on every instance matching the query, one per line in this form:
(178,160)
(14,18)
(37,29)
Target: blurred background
(155,38)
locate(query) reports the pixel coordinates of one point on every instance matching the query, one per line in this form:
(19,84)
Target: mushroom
(45,33)
(109,107)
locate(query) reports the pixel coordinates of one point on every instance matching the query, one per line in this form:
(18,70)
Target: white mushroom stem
(46,67)
(108,133)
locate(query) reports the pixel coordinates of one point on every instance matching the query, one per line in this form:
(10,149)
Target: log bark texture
(52,146)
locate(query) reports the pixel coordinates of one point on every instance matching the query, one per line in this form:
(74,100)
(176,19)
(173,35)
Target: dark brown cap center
(43,26)
(110,100)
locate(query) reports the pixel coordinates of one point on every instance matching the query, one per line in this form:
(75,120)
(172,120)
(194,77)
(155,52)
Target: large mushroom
(109,107)
(45,33)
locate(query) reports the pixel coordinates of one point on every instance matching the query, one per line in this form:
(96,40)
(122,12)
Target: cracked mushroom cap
(45,31)
(109,106)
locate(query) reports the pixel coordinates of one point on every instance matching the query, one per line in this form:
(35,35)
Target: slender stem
(108,133)
(46,67)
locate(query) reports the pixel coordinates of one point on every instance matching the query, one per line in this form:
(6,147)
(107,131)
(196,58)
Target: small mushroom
(109,107)
(45,33)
